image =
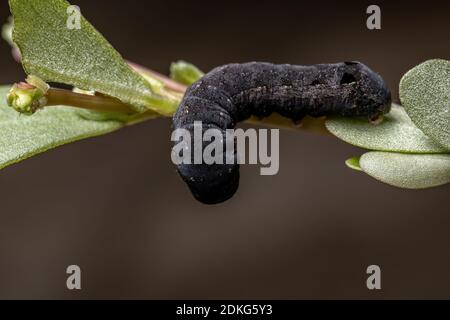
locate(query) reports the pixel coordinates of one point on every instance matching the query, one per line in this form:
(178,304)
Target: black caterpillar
(235,92)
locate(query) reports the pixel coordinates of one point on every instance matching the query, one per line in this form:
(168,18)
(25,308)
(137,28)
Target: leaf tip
(185,73)
(354,164)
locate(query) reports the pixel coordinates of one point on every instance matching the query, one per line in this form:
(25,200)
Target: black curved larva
(235,92)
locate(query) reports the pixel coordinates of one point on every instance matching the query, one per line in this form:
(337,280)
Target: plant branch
(102,103)
(169,83)
(57,97)
(28,99)
(316,125)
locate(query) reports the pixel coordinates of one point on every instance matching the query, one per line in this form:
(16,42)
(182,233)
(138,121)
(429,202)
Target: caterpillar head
(367,93)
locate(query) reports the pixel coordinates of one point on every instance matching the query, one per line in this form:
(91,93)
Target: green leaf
(396,133)
(353,163)
(410,171)
(425,94)
(185,73)
(79,57)
(23,136)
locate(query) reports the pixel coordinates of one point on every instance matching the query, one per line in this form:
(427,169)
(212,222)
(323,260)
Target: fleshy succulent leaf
(55,51)
(425,94)
(185,73)
(397,133)
(353,163)
(409,171)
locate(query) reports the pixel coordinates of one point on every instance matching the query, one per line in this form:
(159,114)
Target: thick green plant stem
(60,97)
(28,99)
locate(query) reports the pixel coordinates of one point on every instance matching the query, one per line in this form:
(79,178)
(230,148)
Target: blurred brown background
(115,205)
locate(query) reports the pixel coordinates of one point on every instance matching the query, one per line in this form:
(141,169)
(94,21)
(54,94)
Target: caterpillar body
(233,93)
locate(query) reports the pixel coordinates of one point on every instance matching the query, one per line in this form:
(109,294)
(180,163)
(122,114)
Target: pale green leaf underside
(23,136)
(82,58)
(425,94)
(409,171)
(397,133)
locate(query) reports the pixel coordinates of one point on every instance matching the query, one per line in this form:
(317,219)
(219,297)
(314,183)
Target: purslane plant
(232,93)
(409,149)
